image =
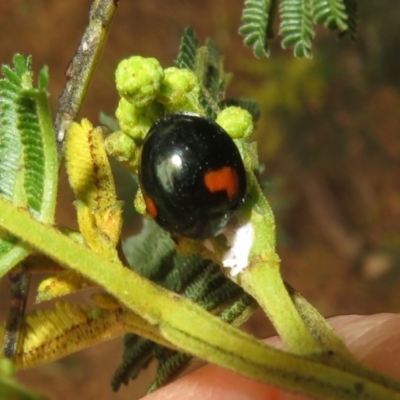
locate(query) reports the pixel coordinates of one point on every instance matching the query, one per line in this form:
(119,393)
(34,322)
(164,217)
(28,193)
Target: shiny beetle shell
(192,175)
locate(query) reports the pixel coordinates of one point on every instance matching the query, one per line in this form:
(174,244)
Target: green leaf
(28,157)
(296,26)
(210,73)
(187,50)
(206,62)
(255,21)
(330,13)
(10,146)
(33,153)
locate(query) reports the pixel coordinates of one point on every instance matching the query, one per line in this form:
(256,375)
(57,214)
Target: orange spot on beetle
(150,206)
(225,179)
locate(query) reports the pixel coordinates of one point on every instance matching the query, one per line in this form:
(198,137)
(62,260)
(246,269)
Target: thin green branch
(81,68)
(264,278)
(320,329)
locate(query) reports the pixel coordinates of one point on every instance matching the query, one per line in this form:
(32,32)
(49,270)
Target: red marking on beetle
(225,178)
(150,206)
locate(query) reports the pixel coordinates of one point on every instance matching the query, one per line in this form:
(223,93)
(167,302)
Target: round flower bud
(138,80)
(179,91)
(136,121)
(236,121)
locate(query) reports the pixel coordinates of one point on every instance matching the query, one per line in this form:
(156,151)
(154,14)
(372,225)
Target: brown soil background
(337,213)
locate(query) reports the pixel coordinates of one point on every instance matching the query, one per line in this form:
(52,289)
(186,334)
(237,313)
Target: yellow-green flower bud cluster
(124,149)
(136,121)
(180,91)
(138,80)
(148,92)
(236,121)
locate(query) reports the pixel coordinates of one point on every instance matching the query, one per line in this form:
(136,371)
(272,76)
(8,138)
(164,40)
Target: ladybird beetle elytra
(191,175)
(224,178)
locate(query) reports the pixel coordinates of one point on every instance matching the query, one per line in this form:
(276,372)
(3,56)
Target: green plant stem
(177,319)
(82,66)
(263,281)
(301,327)
(337,353)
(320,329)
(17,253)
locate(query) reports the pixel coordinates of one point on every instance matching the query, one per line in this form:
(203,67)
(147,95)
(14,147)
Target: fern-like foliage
(255,20)
(209,70)
(297,18)
(28,157)
(28,172)
(33,153)
(169,366)
(191,276)
(331,13)
(296,26)
(10,87)
(187,50)
(206,62)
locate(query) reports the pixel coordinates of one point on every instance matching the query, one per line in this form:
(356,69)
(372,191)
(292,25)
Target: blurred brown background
(328,137)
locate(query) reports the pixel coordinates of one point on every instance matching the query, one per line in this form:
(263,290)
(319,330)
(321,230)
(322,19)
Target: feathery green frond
(255,21)
(212,78)
(10,146)
(191,276)
(206,62)
(296,26)
(138,352)
(33,153)
(297,18)
(28,157)
(212,75)
(187,50)
(169,368)
(330,13)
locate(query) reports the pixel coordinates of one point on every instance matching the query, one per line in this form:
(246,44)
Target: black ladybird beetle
(191,175)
